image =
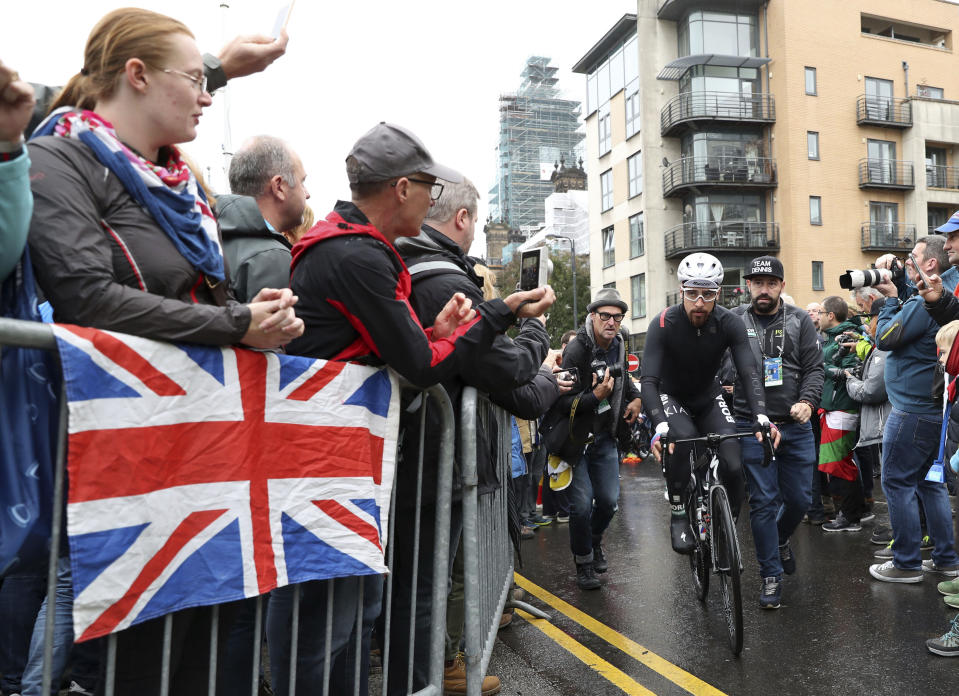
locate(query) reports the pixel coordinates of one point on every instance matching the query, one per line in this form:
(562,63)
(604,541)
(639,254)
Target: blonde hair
(126,33)
(293,236)
(947,335)
(489,281)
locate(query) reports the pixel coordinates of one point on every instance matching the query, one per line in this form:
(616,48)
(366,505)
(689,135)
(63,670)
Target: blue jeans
(62,635)
(593,495)
(20,599)
(910,443)
(779,495)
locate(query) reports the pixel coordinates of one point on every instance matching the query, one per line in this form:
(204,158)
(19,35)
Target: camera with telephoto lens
(599,368)
(852,280)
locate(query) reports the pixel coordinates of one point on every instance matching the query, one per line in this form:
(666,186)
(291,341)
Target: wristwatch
(11,149)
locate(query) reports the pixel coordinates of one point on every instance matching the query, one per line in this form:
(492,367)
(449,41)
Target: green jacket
(834,394)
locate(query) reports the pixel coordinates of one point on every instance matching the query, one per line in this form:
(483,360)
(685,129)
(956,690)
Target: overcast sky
(435,67)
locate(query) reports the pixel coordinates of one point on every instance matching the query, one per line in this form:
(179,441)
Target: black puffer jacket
(438,269)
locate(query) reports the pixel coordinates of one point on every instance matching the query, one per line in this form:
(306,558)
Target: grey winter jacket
(870,391)
(257,256)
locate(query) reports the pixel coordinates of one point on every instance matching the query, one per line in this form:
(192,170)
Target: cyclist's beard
(698,317)
(764,303)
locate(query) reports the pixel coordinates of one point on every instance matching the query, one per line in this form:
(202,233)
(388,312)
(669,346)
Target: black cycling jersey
(682,361)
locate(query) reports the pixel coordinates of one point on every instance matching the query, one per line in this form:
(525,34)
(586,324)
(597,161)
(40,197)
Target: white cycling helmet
(700,270)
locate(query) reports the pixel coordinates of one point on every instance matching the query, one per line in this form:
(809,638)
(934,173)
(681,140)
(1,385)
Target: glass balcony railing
(750,236)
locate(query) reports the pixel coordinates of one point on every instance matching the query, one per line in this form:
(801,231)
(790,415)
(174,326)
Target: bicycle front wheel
(727,564)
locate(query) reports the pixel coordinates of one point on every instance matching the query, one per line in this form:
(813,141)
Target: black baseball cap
(765,265)
(388,151)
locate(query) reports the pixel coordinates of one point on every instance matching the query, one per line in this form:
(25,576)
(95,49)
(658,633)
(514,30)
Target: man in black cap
(607,403)
(785,343)
(354,288)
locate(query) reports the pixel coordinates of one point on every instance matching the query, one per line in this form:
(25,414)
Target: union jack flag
(203,475)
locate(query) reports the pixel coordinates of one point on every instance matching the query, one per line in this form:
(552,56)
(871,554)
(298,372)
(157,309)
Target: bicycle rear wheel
(726,551)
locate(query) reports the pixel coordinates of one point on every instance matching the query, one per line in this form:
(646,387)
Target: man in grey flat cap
(353,290)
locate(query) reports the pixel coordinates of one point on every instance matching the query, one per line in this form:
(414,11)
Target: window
(882,223)
(812,145)
(637,238)
(815,210)
(609,247)
(606,189)
(605,136)
(632,114)
(634,165)
(817,275)
(929,92)
(811,81)
(610,285)
(638,303)
(724,33)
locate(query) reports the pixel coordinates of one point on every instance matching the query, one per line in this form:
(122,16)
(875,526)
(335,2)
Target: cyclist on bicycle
(680,390)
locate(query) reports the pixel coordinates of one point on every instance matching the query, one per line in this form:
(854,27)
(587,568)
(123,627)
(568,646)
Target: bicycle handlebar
(713,440)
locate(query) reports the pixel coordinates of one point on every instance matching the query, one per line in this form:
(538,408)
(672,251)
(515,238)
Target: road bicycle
(711,519)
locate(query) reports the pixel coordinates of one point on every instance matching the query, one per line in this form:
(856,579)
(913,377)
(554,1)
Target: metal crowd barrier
(487,549)
(16,333)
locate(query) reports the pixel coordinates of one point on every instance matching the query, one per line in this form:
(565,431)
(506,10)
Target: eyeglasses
(606,316)
(695,294)
(436,189)
(198,82)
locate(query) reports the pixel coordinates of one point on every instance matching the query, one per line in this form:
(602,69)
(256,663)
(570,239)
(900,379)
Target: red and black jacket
(354,299)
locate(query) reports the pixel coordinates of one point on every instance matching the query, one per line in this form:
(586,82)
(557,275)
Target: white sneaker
(77,689)
(930,566)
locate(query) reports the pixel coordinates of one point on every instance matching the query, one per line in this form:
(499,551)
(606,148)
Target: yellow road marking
(588,657)
(676,675)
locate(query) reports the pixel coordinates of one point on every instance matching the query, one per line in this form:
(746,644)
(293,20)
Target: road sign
(632,362)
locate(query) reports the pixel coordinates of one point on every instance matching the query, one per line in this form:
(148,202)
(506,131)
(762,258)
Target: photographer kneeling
(603,399)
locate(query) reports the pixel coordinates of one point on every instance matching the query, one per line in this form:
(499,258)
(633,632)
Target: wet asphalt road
(838,631)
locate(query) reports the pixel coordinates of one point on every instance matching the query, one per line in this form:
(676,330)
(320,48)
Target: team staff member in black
(784,338)
(682,395)
(355,290)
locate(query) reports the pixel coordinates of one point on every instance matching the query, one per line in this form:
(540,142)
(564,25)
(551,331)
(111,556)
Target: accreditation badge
(773,371)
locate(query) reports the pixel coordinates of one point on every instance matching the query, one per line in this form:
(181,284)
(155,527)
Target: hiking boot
(787,558)
(771,592)
(881,535)
(926,544)
(842,524)
(586,577)
(454,680)
(930,566)
(949,587)
(947,644)
(887,572)
(680,532)
(600,564)
(885,553)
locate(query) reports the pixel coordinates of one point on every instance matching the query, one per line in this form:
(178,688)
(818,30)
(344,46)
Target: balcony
(887,112)
(684,109)
(729,296)
(887,236)
(675,9)
(719,172)
(942,177)
(727,235)
(886,174)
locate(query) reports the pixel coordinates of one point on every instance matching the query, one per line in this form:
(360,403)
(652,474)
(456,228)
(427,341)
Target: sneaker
(881,535)
(926,544)
(680,532)
(952,601)
(505,619)
(947,644)
(586,577)
(867,516)
(841,524)
(949,587)
(930,566)
(814,519)
(600,564)
(885,552)
(787,558)
(771,592)
(887,572)
(539,520)
(77,689)
(562,519)
(526,532)
(454,679)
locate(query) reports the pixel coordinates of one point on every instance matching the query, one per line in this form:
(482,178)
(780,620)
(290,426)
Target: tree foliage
(560,318)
